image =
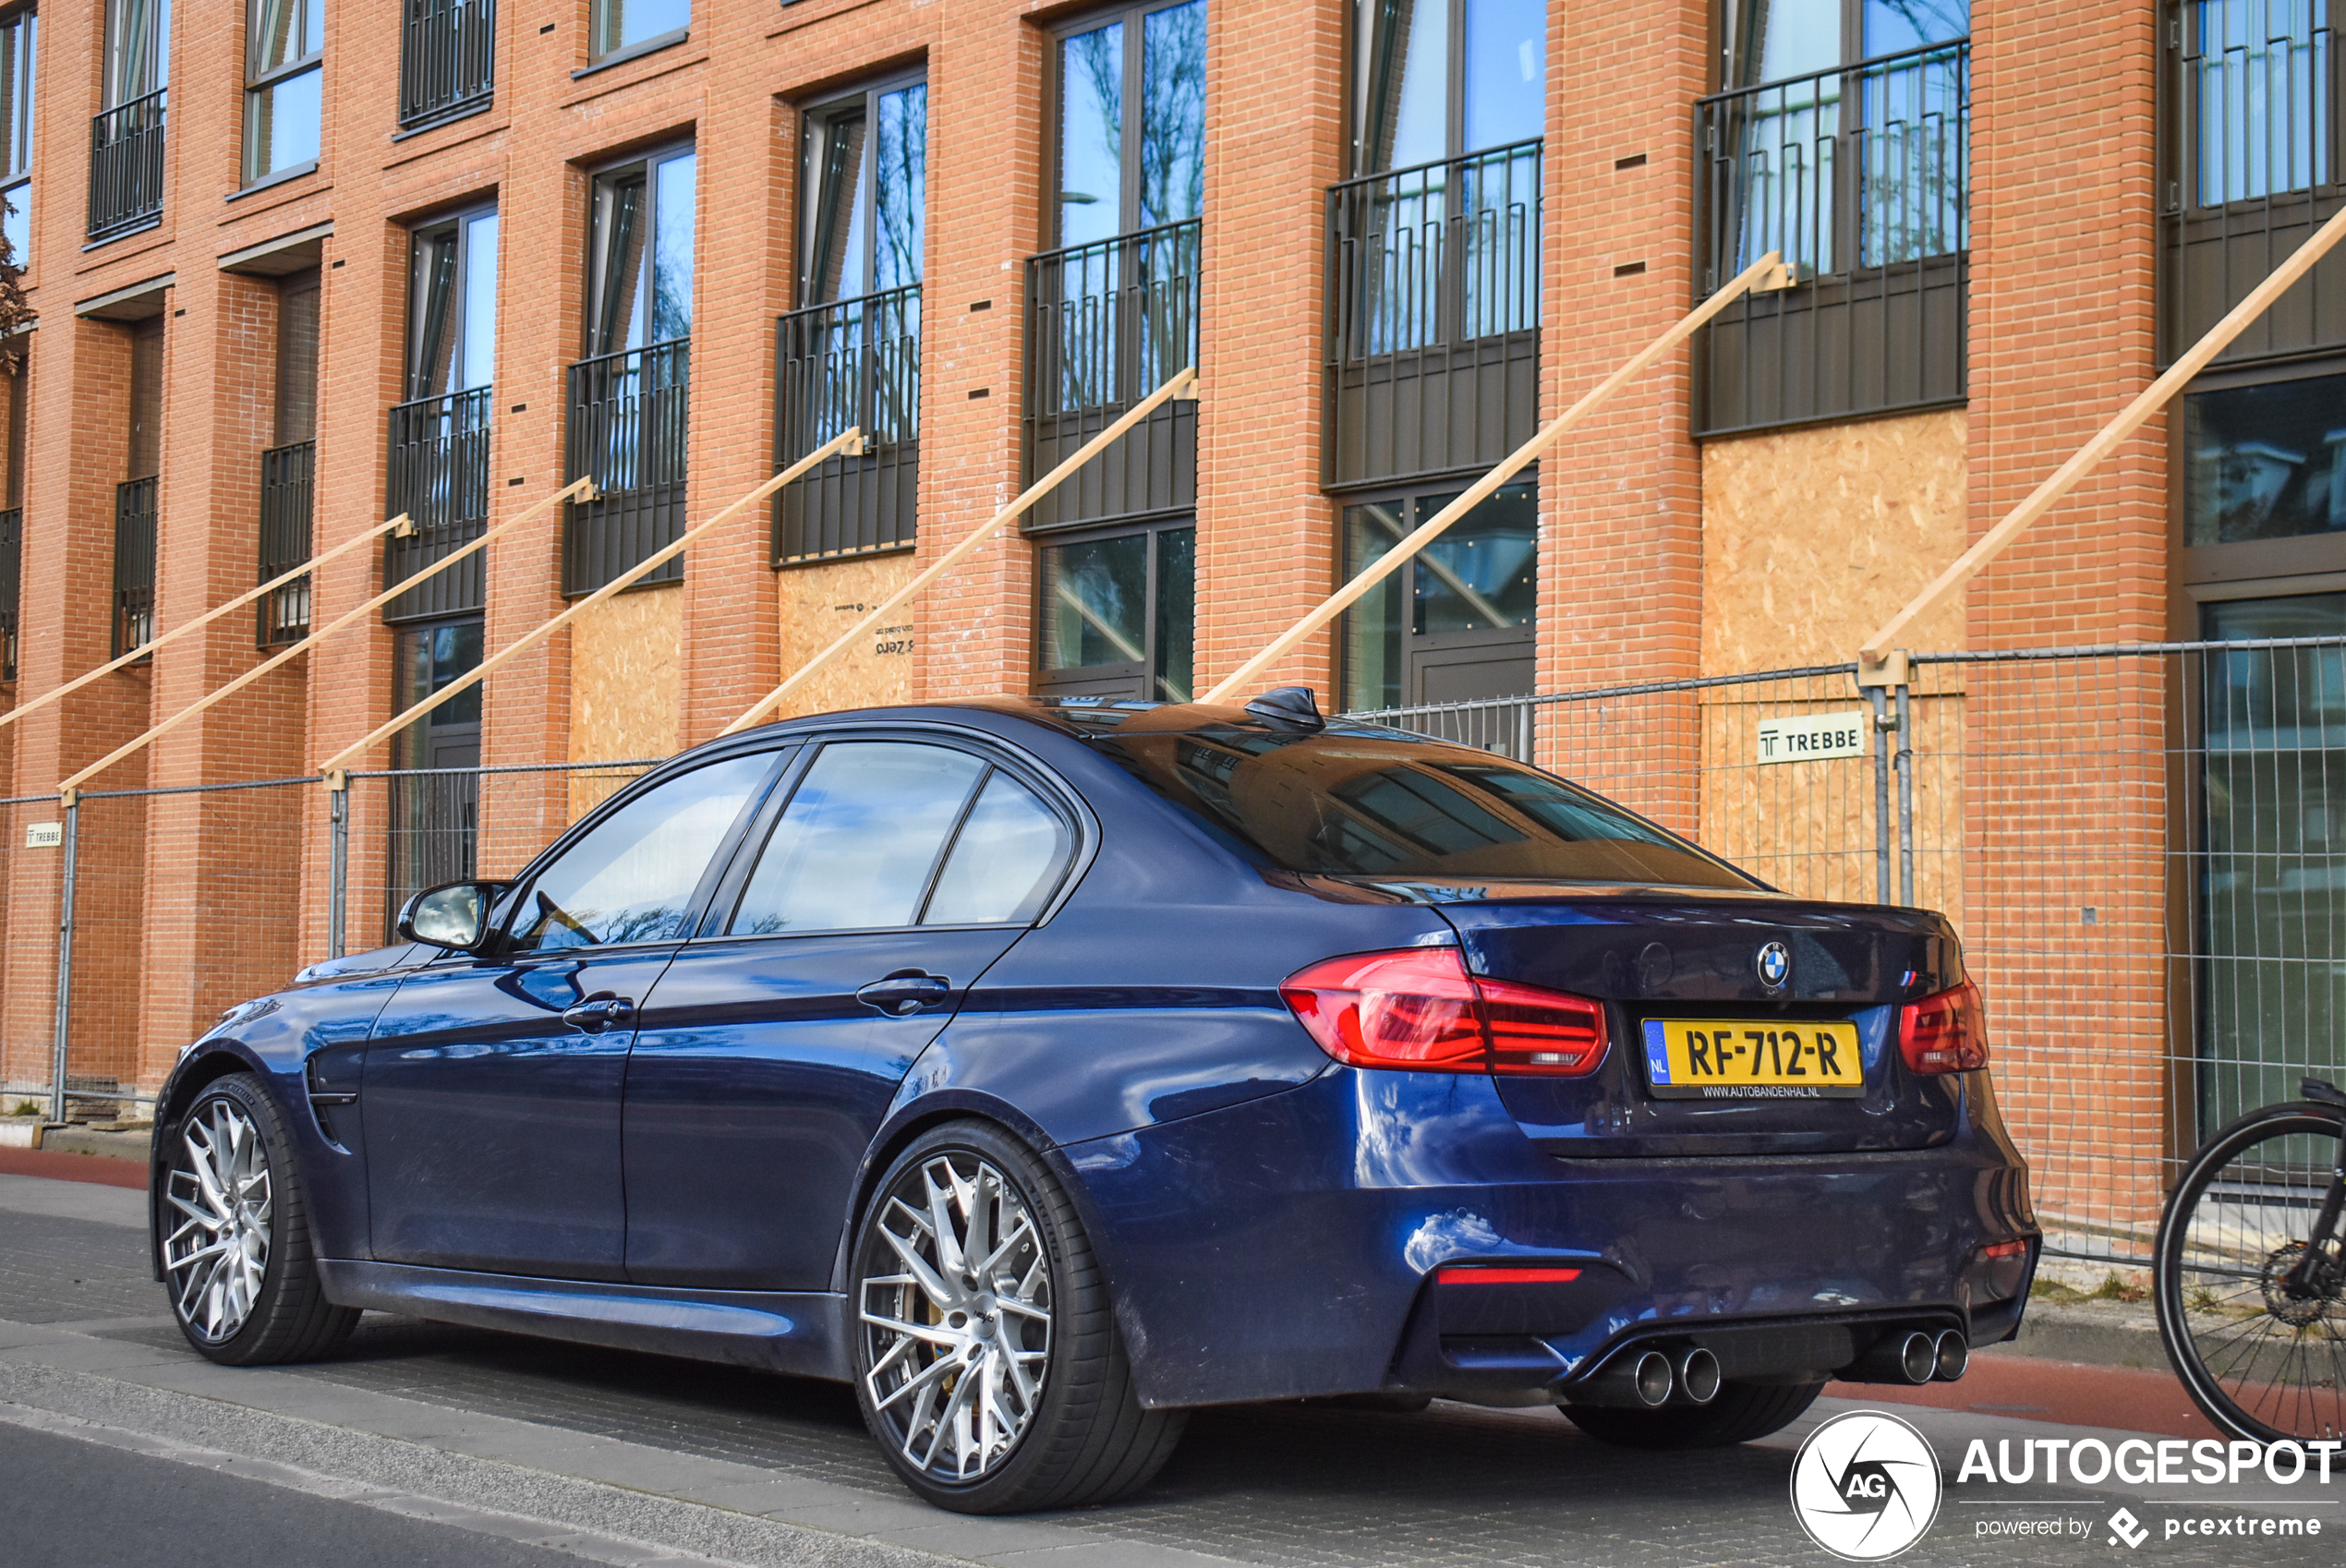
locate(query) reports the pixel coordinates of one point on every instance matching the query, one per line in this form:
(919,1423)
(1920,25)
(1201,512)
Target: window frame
(1145,670)
(863,100)
(598,56)
(613,172)
(1134,14)
(1411,501)
(269,80)
(156,75)
(21,111)
(456,225)
(1083,836)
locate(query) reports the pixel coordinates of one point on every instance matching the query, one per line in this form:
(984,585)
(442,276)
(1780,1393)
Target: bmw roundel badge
(1774,963)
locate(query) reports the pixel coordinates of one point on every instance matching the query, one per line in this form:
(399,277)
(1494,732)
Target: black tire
(288,1318)
(1741,1413)
(1084,1437)
(2228,1329)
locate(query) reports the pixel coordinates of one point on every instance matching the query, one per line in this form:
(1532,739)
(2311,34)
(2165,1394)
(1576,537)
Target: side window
(860,840)
(630,879)
(887,833)
(1003,861)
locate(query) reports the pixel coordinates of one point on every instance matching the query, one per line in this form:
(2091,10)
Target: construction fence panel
(2143,846)
(31,865)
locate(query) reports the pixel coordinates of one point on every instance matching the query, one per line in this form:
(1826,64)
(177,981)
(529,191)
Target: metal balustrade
(1860,175)
(1433,354)
(11,586)
(628,427)
(1106,324)
(447,59)
(439,449)
(286,480)
(852,362)
(126,166)
(134,565)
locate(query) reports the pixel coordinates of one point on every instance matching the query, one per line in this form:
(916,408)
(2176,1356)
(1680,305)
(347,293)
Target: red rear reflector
(1417,1009)
(2005,1249)
(1947,1033)
(1472,1273)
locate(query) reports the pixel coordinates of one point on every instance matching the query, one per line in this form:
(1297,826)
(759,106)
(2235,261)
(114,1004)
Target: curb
(2121,1337)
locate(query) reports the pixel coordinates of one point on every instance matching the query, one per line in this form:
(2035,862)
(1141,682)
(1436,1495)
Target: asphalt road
(429,1444)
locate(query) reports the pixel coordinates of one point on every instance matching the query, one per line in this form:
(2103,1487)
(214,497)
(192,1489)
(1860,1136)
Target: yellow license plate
(1713,1060)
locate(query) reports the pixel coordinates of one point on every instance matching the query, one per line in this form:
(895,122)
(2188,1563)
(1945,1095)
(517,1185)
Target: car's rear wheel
(1741,1413)
(235,1241)
(987,1362)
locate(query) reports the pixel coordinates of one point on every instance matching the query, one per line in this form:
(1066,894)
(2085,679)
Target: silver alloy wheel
(218,1257)
(958,1338)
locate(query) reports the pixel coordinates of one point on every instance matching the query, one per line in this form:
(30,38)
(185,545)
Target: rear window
(1376,803)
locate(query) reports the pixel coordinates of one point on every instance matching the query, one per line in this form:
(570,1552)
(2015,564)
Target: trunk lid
(1655,955)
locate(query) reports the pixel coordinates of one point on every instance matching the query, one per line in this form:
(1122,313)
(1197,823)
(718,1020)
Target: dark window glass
(1371,804)
(1004,859)
(138,49)
(1413,108)
(631,878)
(145,452)
(1102,194)
(429,657)
(864,224)
(1122,605)
(642,288)
(452,313)
(1481,575)
(858,845)
(2263,463)
(296,413)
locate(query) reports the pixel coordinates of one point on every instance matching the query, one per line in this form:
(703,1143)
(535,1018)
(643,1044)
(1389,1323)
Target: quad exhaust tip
(1699,1376)
(1918,1356)
(1953,1356)
(1653,1379)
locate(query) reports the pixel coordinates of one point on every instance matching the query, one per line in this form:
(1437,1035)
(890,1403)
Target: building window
(1841,138)
(435,816)
(2264,461)
(285,85)
(1118,615)
(17,31)
(629,396)
(1433,244)
(15,378)
(1456,623)
(135,496)
(633,24)
(126,138)
(447,60)
(851,354)
(438,439)
(288,465)
(1113,310)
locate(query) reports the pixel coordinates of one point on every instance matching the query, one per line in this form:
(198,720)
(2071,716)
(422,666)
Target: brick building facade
(1390,235)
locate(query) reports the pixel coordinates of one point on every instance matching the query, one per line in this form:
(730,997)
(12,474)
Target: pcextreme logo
(1865,1486)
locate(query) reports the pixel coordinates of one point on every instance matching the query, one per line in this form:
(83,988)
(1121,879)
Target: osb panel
(1811,539)
(820,602)
(623,674)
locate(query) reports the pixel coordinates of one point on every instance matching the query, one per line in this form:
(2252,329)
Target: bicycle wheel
(2265,1363)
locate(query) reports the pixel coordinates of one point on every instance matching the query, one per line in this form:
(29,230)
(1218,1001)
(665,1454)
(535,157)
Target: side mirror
(454,915)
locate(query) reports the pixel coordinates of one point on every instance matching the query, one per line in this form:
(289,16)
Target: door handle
(599,1012)
(905,993)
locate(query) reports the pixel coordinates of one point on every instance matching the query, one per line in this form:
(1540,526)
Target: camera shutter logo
(1865,1486)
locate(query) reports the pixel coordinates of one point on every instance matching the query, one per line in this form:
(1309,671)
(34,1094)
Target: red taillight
(1947,1033)
(1418,1009)
(1483,1273)
(2014,1248)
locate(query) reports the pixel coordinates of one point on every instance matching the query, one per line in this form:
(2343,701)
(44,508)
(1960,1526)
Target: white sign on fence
(44,835)
(1813,736)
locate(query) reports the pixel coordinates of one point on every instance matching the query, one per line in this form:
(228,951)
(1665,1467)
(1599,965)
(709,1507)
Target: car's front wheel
(1741,1413)
(235,1238)
(987,1362)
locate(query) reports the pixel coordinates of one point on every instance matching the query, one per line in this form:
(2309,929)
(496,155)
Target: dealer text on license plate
(1715,1059)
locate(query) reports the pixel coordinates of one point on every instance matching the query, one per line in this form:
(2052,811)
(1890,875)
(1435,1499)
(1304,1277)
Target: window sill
(143,225)
(800,562)
(270,181)
(433,123)
(652,45)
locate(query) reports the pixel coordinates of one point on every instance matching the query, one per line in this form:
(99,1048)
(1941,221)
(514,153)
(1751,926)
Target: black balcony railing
(1432,316)
(2249,166)
(286,473)
(1106,324)
(440,479)
(1861,176)
(11,586)
(126,166)
(857,362)
(628,423)
(134,565)
(447,59)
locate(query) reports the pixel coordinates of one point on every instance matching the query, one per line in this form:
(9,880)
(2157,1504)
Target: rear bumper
(1289,1247)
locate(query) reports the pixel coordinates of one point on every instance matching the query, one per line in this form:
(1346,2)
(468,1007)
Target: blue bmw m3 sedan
(1048,1070)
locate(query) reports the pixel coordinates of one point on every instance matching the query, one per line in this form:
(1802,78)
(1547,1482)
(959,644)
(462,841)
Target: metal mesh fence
(2144,847)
